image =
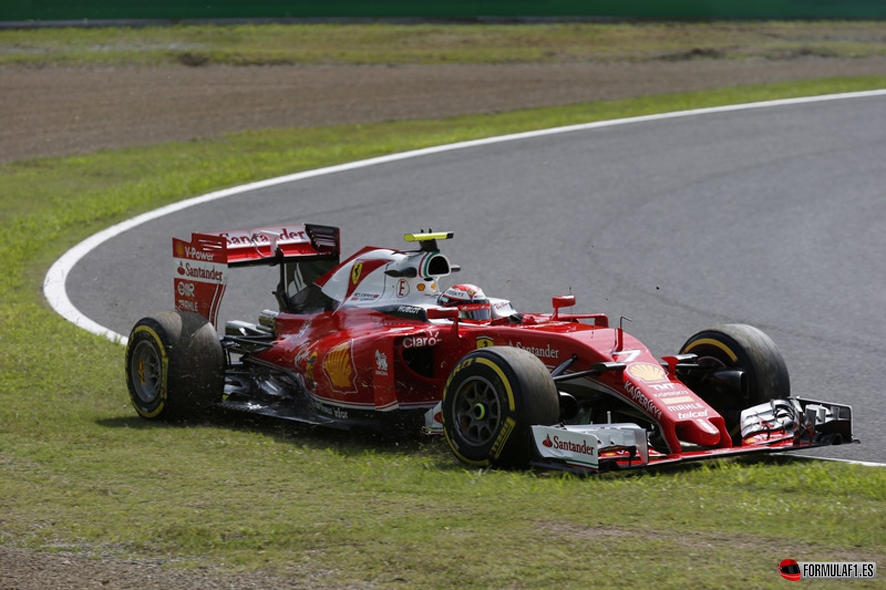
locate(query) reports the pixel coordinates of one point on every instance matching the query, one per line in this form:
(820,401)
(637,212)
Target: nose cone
(699,431)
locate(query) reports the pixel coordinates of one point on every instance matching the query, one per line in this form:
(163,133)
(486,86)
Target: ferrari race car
(372,342)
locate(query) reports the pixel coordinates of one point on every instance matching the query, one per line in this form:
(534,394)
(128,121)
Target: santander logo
(198,272)
(582,448)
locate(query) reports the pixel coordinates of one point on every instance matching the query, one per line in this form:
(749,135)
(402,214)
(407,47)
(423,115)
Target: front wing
(775,426)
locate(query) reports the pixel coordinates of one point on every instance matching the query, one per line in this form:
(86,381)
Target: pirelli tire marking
(175,366)
(714,343)
(507,425)
(491,399)
(151,396)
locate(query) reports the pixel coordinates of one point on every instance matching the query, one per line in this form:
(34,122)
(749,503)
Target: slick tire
(174,366)
(491,399)
(739,346)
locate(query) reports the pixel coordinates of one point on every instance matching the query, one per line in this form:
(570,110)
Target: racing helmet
(470,300)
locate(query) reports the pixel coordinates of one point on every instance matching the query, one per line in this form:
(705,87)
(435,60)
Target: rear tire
(492,398)
(174,366)
(742,347)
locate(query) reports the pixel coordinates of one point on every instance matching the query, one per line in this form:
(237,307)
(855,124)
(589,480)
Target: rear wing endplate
(201,264)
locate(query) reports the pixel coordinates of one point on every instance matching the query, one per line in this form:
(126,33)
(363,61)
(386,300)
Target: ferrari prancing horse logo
(356,271)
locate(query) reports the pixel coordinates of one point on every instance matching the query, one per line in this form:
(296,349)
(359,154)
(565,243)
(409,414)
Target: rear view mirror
(442,313)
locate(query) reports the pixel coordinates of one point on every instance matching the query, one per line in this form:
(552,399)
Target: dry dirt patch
(55,111)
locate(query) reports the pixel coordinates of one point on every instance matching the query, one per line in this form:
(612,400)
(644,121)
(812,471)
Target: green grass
(449,43)
(79,471)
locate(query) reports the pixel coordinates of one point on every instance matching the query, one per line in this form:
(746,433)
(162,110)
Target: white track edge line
(55,280)
(835,460)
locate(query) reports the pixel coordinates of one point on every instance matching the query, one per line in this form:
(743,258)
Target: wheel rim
(146,372)
(477,411)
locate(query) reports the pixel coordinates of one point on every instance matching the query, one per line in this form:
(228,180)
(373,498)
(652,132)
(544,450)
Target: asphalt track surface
(773,216)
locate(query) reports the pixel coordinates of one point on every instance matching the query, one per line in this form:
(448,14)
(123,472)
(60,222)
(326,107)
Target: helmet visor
(475,311)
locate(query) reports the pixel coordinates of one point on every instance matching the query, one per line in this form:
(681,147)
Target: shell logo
(309,370)
(340,368)
(647,372)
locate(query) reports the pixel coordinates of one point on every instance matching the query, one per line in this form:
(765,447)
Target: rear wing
(201,264)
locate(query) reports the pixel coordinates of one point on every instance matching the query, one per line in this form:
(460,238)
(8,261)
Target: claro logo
(422,340)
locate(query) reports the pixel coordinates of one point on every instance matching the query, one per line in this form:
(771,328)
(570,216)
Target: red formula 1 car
(372,342)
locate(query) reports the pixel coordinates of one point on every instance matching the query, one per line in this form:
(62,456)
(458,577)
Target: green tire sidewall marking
(164,368)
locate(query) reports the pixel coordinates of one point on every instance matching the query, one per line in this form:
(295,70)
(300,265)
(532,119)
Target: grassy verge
(78,470)
(450,43)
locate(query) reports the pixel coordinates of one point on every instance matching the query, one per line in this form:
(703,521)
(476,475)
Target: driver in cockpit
(473,305)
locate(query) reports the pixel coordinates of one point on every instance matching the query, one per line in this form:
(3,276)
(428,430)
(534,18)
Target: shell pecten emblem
(309,370)
(339,368)
(647,372)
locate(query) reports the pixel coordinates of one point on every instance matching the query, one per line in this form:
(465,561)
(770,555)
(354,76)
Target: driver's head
(469,299)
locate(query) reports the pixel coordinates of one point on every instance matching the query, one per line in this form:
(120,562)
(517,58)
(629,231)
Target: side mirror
(443,313)
(562,301)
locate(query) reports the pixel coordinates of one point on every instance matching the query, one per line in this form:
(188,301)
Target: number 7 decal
(626,356)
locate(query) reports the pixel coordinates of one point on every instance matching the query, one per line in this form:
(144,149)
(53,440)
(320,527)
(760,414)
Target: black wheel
(491,399)
(174,366)
(743,368)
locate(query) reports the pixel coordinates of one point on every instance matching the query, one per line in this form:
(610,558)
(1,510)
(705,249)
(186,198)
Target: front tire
(751,351)
(174,366)
(492,398)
